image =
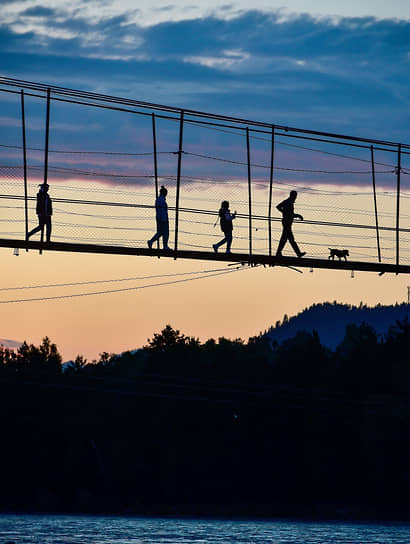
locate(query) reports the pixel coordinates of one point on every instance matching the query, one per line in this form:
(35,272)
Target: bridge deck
(255,259)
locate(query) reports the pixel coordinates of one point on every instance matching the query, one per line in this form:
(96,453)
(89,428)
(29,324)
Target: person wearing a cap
(44,210)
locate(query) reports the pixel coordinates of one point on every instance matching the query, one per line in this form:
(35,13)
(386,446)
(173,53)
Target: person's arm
(40,204)
(280,207)
(159,207)
(298,215)
(163,210)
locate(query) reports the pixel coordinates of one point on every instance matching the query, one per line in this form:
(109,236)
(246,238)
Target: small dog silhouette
(340,253)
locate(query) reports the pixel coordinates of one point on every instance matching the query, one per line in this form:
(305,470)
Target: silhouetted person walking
(225,220)
(44,211)
(287,210)
(161,209)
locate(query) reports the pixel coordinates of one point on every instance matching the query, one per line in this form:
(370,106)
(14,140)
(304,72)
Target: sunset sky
(321,65)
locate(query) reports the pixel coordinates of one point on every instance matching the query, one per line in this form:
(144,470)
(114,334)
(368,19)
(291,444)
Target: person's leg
(283,240)
(42,219)
(228,237)
(219,244)
(156,236)
(293,243)
(48,228)
(39,228)
(165,234)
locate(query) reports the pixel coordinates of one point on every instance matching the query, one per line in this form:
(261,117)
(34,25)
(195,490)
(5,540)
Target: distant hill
(330,320)
(11,344)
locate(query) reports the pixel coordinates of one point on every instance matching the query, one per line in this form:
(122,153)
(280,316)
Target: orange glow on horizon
(240,304)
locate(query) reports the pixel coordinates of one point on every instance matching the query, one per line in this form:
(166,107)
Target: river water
(47,529)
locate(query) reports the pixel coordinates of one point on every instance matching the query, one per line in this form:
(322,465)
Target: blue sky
(316,65)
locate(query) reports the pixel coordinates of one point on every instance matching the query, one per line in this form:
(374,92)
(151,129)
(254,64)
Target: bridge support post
(249,191)
(154,142)
(46,152)
(23,126)
(398,169)
(181,132)
(375,204)
(47,137)
(272,155)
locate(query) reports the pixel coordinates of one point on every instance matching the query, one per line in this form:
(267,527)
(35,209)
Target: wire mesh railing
(105,158)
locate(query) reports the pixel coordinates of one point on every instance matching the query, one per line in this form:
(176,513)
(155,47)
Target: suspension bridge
(105,157)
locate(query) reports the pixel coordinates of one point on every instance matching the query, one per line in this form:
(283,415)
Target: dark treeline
(221,428)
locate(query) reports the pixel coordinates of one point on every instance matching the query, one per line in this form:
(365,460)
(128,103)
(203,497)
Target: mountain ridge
(330,319)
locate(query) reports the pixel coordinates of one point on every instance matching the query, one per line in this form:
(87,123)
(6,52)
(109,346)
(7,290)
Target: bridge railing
(105,159)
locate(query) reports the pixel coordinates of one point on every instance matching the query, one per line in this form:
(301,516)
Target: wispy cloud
(160,11)
(268,63)
(226,60)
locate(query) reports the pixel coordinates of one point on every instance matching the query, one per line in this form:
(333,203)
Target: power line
(286,144)
(213,213)
(210,180)
(206,212)
(134,278)
(209,157)
(76,96)
(69,152)
(224,131)
(305,170)
(110,291)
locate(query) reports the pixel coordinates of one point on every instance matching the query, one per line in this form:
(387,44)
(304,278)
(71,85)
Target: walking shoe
(167,248)
(149,244)
(301,254)
(215,248)
(228,251)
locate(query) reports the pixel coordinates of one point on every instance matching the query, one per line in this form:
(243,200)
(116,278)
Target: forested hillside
(330,320)
(221,428)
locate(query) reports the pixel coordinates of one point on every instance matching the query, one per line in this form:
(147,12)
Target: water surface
(47,529)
